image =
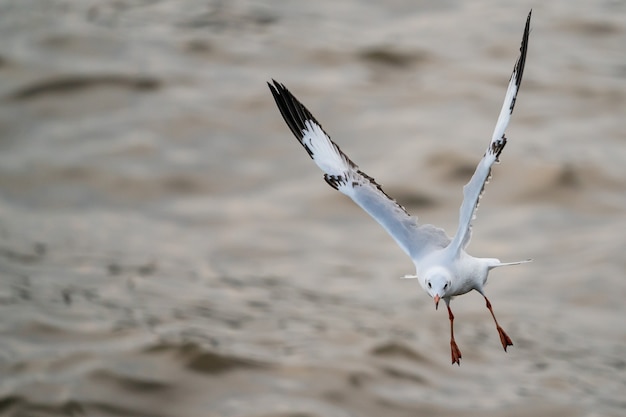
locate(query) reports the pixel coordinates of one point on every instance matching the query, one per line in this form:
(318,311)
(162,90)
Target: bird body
(442,266)
(446,275)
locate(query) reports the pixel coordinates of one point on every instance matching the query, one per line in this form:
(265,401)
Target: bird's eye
(429,286)
(445,286)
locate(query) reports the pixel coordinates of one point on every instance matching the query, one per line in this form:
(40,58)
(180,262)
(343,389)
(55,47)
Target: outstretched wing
(474,188)
(344,175)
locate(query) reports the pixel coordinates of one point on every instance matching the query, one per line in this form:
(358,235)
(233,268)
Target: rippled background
(168,249)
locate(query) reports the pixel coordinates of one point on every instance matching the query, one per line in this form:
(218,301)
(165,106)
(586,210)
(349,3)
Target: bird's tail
(495,263)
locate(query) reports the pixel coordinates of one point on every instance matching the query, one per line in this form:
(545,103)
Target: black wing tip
(519,67)
(526,31)
(280,92)
(291,109)
(294,113)
(277,87)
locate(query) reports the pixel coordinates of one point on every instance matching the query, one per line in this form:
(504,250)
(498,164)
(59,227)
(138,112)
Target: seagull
(442,266)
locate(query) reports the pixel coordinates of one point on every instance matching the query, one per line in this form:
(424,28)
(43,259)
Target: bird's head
(437,284)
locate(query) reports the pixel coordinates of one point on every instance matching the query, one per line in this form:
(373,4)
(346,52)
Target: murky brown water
(168,249)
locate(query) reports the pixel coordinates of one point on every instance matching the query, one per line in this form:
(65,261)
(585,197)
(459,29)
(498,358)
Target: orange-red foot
(456,353)
(504,338)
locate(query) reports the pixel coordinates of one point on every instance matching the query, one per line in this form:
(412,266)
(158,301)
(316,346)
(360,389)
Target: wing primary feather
(521,62)
(290,114)
(299,118)
(518,69)
(293,112)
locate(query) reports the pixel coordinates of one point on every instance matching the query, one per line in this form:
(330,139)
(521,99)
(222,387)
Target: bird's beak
(437,298)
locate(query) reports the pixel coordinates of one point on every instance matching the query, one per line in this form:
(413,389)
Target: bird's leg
(456,353)
(504,338)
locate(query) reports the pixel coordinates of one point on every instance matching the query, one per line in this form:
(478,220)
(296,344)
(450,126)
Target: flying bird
(442,266)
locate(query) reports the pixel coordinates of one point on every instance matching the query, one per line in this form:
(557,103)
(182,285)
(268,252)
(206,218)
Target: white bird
(442,266)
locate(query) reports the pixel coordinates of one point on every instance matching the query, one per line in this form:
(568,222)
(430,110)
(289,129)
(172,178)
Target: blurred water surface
(168,249)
